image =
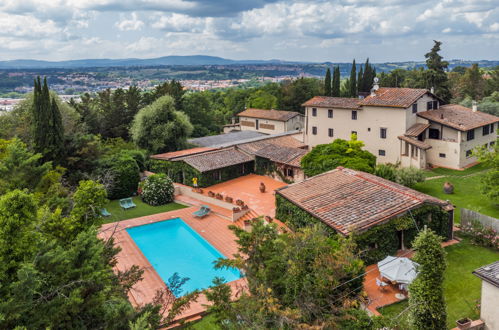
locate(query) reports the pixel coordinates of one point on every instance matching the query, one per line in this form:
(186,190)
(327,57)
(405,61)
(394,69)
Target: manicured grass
(206,323)
(466,194)
(142,209)
(445,171)
(461,288)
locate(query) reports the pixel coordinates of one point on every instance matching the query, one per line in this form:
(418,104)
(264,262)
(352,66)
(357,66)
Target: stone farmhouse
(406,125)
(267,121)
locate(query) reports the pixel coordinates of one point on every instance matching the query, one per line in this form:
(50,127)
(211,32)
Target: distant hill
(165,60)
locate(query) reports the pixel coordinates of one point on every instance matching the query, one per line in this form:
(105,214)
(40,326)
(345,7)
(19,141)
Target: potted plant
(244,207)
(268,219)
(211,194)
(219,196)
(464,323)
(236,209)
(448,188)
(239,202)
(262,187)
(228,199)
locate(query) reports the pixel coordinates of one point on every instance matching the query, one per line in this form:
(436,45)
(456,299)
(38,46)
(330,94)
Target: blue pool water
(172,246)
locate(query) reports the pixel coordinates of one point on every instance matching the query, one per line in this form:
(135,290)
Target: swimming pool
(172,246)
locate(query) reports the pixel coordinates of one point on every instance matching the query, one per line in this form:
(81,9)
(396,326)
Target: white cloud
(132,24)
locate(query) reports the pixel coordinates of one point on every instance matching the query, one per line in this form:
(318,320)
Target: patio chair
(105,213)
(381,285)
(127,203)
(202,212)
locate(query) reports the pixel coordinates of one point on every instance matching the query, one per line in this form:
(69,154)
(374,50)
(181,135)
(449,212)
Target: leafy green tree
(327,83)
(426,293)
(294,279)
(472,83)
(435,75)
(353,80)
(160,128)
(262,100)
(47,123)
(336,82)
(326,157)
(490,188)
(200,111)
(406,176)
(297,92)
(19,167)
(88,200)
(120,174)
(173,88)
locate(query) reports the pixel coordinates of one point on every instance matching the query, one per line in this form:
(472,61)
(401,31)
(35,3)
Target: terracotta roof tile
(279,115)
(217,159)
(415,142)
(283,155)
(346,199)
(416,129)
(284,141)
(332,102)
(394,97)
(181,153)
(458,117)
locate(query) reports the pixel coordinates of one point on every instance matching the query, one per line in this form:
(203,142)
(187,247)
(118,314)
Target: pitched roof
(415,142)
(214,160)
(180,153)
(416,129)
(231,137)
(345,199)
(394,97)
(489,273)
(283,155)
(279,115)
(332,102)
(459,117)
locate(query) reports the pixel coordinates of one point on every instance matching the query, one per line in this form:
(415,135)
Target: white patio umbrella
(400,270)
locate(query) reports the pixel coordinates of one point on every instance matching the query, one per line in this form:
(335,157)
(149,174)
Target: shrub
(386,171)
(409,176)
(157,189)
(125,177)
(139,156)
(480,235)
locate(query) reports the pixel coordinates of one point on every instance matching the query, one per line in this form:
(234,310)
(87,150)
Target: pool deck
(212,227)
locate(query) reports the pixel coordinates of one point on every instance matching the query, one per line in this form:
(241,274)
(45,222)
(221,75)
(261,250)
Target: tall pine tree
(335,90)
(48,131)
(435,75)
(360,82)
(327,83)
(353,80)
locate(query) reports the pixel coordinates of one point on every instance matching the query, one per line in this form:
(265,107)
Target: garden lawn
(466,194)
(206,323)
(142,209)
(461,288)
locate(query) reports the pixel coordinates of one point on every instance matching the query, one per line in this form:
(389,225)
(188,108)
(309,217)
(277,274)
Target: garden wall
(468,216)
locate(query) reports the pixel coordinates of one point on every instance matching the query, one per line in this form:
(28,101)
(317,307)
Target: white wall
(490,306)
(478,141)
(279,126)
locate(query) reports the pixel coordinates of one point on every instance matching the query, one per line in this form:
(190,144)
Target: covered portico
(413,148)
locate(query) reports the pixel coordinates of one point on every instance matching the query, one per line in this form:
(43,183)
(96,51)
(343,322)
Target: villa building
(270,121)
(405,125)
(277,156)
(489,303)
(385,216)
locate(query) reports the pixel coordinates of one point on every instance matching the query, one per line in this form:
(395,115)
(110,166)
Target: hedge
(381,240)
(183,173)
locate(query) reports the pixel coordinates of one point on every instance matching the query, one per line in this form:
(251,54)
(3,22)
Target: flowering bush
(480,235)
(157,189)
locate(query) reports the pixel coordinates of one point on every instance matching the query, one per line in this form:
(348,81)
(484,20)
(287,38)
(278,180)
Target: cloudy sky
(314,30)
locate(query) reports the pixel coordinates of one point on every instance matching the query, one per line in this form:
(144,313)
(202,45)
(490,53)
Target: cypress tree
(327,83)
(48,131)
(336,82)
(353,80)
(360,82)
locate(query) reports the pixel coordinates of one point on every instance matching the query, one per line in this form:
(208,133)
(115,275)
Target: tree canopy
(326,157)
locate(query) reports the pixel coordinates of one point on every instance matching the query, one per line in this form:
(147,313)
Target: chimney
(375,86)
(441,116)
(432,90)
(474,106)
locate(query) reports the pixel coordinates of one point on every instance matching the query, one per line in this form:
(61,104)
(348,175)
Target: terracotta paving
(212,227)
(379,298)
(247,189)
(186,200)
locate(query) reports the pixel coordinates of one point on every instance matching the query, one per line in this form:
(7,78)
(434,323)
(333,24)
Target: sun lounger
(203,211)
(127,203)
(105,213)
